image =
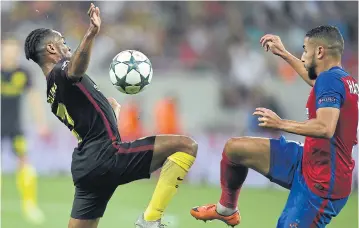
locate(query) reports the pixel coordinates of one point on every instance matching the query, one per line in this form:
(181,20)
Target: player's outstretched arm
(274,44)
(329,92)
(81,57)
(298,66)
(323,126)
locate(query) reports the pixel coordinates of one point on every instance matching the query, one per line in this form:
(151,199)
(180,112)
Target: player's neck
(47,67)
(328,65)
(48,64)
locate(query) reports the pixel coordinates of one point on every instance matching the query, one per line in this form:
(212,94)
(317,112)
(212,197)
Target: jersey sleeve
(329,91)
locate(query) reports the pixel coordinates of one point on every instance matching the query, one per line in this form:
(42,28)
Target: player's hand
(95,19)
(115,106)
(273,43)
(268,118)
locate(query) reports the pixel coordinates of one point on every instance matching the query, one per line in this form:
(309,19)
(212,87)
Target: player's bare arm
(323,126)
(274,44)
(81,57)
(115,106)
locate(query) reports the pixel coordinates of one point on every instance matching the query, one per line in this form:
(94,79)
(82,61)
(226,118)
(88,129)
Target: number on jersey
(353,87)
(67,120)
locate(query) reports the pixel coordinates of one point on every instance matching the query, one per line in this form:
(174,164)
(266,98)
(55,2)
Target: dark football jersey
(87,114)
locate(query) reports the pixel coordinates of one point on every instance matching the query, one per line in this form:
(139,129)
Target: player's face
(312,74)
(309,59)
(60,46)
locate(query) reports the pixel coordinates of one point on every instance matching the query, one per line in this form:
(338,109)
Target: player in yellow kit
(15,81)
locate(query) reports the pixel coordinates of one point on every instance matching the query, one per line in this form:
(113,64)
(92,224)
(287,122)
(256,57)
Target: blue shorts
(303,207)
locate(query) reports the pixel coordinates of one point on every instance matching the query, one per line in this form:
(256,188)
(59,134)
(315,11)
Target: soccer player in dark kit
(318,174)
(101,162)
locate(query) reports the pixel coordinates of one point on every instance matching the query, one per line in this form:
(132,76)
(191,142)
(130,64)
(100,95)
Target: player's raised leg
(239,154)
(276,159)
(176,155)
(26,182)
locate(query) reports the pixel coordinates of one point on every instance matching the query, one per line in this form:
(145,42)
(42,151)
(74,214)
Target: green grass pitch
(259,207)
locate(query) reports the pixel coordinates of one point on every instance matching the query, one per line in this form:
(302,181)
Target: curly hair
(33,41)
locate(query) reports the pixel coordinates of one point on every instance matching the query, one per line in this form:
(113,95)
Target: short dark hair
(33,41)
(331,37)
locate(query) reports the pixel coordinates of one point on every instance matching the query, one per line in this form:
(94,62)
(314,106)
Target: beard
(311,70)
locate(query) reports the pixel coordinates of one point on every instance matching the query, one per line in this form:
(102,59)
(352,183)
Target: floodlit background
(210,72)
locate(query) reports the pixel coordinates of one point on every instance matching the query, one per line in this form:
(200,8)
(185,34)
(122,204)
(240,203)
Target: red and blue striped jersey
(327,163)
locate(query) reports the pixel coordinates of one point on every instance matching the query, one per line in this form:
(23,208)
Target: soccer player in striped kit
(318,174)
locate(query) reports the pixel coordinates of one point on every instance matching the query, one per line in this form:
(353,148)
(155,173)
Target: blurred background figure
(210,72)
(15,82)
(130,125)
(167,119)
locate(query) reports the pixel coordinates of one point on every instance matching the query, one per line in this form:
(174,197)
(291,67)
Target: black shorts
(131,161)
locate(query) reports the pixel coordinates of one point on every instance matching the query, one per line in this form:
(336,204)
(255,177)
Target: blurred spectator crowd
(221,37)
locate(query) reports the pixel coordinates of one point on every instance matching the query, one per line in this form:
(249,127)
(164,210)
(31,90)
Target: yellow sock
(26,183)
(173,172)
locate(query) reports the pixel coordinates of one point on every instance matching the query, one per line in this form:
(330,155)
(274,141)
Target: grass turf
(259,207)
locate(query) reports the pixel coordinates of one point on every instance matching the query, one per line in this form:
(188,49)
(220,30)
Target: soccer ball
(130,71)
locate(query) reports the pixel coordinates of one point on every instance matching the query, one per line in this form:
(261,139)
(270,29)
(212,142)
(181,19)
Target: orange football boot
(209,213)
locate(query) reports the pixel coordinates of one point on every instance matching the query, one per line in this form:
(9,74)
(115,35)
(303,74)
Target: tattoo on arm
(80,59)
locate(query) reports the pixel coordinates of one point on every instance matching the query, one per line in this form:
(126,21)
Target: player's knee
(188,145)
(235,147)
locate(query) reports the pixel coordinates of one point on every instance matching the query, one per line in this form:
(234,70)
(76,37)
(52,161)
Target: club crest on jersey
(64,64)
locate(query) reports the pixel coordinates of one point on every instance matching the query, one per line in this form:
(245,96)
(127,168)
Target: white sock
(225,211)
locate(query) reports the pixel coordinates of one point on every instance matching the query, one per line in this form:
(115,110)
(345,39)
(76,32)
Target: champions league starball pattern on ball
(130,72)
